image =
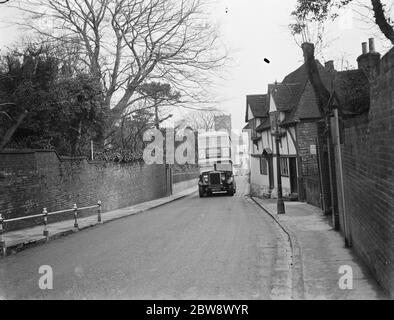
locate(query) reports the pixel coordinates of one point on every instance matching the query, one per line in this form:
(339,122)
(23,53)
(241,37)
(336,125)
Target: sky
(258,29)
(254,30)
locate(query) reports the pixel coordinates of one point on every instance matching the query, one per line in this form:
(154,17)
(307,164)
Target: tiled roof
(295,95)
(307,107)
(300,75)
(258,104)
(297,76)
(286,98)
(286,95)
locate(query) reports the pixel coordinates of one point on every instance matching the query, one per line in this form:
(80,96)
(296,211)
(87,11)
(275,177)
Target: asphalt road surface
(211,248)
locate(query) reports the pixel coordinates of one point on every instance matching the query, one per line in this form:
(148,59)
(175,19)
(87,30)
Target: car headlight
(230,180)
(205,179)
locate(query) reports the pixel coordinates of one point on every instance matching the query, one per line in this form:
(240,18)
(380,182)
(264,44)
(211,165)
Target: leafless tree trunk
(377,12)
(10,132)
(77,142)
(382,21)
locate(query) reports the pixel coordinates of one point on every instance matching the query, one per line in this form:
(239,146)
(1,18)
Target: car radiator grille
(215,178)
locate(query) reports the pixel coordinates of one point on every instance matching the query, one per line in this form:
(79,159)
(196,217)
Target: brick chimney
(329,65)
(369,62)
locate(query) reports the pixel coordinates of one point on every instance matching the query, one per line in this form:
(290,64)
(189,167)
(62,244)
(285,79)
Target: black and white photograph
(197,156)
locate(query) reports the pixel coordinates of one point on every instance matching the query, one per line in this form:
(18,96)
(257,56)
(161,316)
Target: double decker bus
(215,163)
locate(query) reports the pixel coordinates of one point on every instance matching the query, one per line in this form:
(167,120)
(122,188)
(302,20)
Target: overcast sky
(258,29)
(254,30)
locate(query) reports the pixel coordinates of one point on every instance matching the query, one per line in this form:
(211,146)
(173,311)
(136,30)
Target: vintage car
(216,181)
(215,162)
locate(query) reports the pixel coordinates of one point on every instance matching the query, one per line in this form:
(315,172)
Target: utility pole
(276,118)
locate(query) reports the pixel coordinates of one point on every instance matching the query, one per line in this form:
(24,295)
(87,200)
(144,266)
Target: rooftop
(258,104)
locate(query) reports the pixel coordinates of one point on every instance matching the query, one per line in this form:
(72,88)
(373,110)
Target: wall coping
(59,157)
(69,158)
(24,151)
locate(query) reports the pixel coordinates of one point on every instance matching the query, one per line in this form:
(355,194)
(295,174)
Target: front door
(293,175)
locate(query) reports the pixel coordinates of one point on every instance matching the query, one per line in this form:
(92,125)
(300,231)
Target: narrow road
(212,248)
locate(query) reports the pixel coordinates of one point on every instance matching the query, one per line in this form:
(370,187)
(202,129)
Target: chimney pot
(369,62)
(329,65)
(371,45)
(365,49)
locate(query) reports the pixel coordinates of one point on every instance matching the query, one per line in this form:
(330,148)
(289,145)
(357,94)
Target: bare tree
(367,13)
(129,42)
(319,11)
(200,119)
(306,29)
(378,11)
(343,62)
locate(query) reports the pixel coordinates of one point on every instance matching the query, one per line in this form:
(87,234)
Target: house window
(284,167)
(263,166)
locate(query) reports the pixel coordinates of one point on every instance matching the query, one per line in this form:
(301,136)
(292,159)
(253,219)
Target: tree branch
(381,20)
(10,132)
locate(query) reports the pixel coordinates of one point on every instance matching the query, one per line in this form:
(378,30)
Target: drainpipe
(348,241)
(323,204)
(330,158)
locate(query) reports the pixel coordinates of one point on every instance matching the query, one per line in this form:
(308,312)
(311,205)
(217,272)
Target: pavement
(218,247)
(318,254)
(185,247)
(25,238)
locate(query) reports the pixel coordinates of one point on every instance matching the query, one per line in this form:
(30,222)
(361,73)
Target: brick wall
(182,173)
(306,137)
(368,157)
(312,190)
(184,176)
(307,133)
(32,180)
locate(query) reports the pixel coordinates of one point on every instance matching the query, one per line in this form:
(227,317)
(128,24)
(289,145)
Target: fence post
(75,216)
(99,211)
(2,242)
(46,232)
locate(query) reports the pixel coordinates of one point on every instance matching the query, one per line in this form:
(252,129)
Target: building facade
(301,150)
(343,155)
